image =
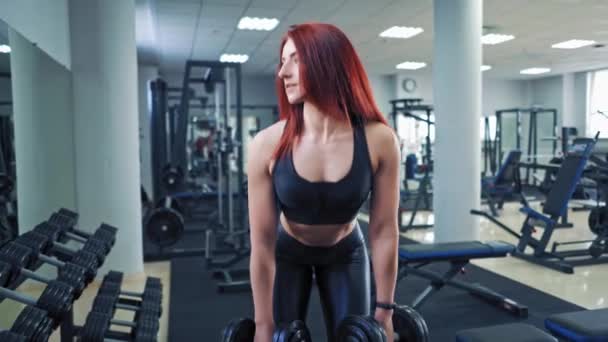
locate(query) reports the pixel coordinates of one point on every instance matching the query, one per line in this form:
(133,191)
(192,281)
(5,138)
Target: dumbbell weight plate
(34,324)
(239,330)
(7,336)
(409,325)
(5,273)
(360,329)
(297,332)
(95,327)
(56,299)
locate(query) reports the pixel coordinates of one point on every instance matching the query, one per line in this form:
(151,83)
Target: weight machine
(409,108)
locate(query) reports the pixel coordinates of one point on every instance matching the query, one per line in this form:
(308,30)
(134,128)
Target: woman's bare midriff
(317,235)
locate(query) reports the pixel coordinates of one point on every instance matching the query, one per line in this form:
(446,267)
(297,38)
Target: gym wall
(44,23)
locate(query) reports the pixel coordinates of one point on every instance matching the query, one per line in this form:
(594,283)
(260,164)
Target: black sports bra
(319,203)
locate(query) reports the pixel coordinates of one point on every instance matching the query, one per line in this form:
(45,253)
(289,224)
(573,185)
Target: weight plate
(88,261)
(409,325)
(5,274)
(164,226)
(239,330)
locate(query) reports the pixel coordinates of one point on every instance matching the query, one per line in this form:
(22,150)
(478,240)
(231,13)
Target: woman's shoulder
(379,134)
(268,138)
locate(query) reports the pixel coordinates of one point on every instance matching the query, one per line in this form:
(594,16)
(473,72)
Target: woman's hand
(385,318)
(263,332)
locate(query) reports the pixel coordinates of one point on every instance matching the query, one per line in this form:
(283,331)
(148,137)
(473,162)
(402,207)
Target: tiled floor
(587,287)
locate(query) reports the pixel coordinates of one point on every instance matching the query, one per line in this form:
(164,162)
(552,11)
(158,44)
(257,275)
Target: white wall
(44,133)
(44,23)
(496,94)
(383,88)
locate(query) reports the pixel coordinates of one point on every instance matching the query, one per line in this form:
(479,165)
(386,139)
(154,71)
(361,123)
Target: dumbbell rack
(65,324)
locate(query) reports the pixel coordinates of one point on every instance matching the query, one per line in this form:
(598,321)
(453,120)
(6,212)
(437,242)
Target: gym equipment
(8,336)
(588,325)
(532,114)
(149,301)
(33,325)
(165,225)
(53,232)
(556,205)
(243,330)
(360,329)
(97,328)
(39,244)
(73,219)
(56,299)
(412,258)
(505,183)
(514,332)
(104,234)
(408,108)
(22,260)
(409,325)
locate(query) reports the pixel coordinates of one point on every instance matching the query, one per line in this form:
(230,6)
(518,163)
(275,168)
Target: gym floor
(586,287)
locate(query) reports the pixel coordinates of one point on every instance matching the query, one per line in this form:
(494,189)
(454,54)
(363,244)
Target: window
(597,117)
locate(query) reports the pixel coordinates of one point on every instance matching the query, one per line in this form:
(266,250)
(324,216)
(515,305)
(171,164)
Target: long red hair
(332,77)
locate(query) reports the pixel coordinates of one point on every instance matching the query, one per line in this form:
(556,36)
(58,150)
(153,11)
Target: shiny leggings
(341,273)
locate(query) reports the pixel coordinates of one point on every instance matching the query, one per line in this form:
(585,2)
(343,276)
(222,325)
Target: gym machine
(410,109)
(532,142)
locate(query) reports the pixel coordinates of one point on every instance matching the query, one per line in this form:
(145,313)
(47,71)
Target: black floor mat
(198,312)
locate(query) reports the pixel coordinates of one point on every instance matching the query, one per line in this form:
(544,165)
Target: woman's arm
(262,221)
(383,229)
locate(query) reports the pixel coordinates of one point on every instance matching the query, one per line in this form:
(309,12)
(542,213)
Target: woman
(309,174)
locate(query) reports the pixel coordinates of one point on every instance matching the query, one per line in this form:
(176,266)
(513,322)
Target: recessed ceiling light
(485,67)
(534,71)
(411,65)
(5,48)
(493,38)
(402,32)
(233,58)
(258,24)
(573,44)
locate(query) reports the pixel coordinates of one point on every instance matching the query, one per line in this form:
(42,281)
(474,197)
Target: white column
(457,100)
(568,110)
(104,67)
(44,135)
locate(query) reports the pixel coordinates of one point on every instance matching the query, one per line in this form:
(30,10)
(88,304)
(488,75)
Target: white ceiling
(171,31)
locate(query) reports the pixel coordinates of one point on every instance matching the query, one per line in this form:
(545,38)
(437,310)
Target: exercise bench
(413,257)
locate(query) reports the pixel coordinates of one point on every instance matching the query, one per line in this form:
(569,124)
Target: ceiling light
(534,71)
(258,24)
(573,44)
(411,65)
(493,38)
(5,48)
(485,67)
(232,58)
(402,32)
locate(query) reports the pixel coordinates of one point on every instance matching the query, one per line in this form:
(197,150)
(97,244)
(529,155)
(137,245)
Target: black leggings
(341,272)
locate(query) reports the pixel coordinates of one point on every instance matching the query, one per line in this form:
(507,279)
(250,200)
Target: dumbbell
(111,284)
(7,336)
(97,326)
(150,299)
(243,330)
(53,232)
(56,299)
(41,244)
(67,220)
(22,259)
(408,325)
(32,324)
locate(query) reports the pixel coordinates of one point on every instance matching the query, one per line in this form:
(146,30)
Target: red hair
(332,77)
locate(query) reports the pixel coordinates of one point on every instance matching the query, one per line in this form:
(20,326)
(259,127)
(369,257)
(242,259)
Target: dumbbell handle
(16,296)
(123,323)
(131,294)
(127,307)
(32,275)
(51,261)
(75,237)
